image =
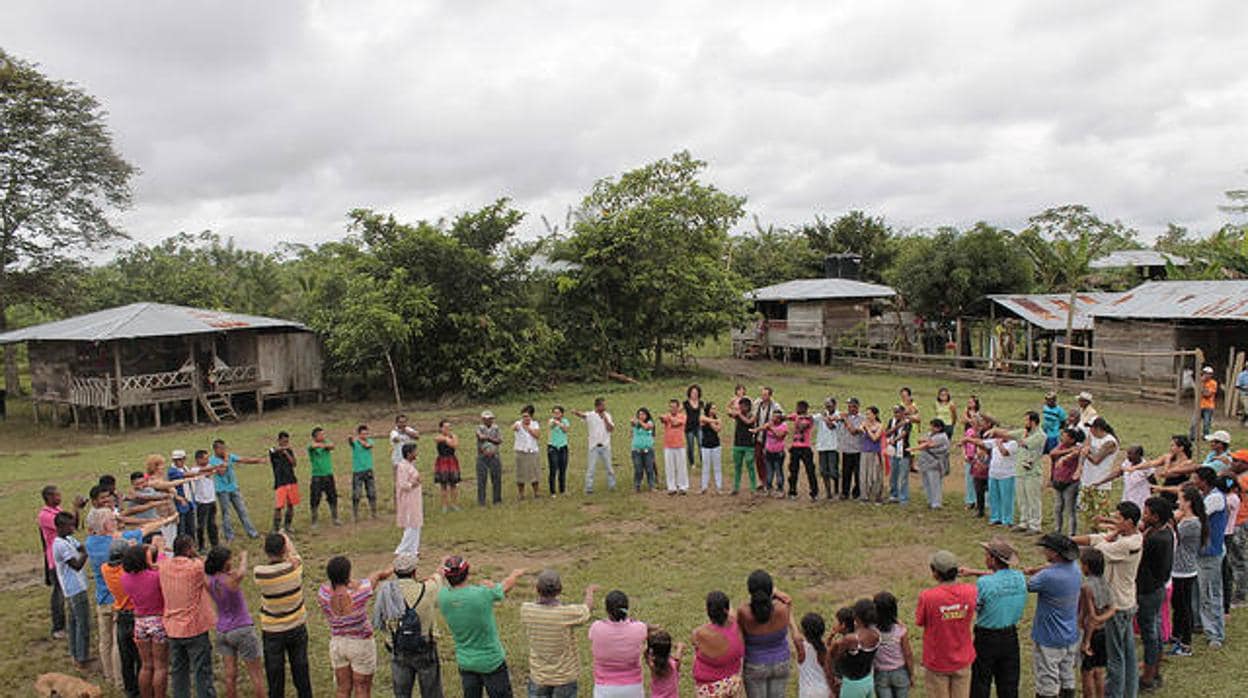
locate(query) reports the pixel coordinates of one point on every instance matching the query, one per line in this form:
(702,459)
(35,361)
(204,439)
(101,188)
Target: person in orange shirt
(675,467)
(1208,401)
(188,617)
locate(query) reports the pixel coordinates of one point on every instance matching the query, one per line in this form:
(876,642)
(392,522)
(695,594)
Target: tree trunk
(394,380)
(1070,325)
(12,383)
(658,354)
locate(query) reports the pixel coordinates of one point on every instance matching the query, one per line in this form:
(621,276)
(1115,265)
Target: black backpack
(409,637)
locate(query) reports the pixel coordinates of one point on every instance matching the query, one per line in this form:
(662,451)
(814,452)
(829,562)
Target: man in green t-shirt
(320,454)
(362,471)
(469,614)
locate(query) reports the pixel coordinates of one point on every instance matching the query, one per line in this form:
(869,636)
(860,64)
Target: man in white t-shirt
(401,434)
(599,425)
(1002,469)
(204,492)
(829,426)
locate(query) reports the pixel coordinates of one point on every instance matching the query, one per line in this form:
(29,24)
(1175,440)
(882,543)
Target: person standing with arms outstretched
(469,613)
(402,433)
(226,482)
(599,425)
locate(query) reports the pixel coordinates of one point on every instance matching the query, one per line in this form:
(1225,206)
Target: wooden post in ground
(259,403)
(34,409)
(74,408)
(156,413)
(1200,361)
(121,410)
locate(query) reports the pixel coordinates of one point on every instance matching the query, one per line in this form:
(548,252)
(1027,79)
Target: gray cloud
(268,121)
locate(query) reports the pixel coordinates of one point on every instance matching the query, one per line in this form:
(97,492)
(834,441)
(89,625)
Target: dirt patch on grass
(900,561)
(21,571)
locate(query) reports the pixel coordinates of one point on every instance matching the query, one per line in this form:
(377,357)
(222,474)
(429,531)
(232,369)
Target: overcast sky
(267,121)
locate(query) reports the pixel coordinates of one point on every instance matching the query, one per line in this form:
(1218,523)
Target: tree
(771,255)
(1237,201)
(61,178)
(650,250)
(856,232)
(949,275)
(1062,243)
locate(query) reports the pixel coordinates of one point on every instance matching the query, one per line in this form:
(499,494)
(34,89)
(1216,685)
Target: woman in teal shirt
(557,450)
(643,450)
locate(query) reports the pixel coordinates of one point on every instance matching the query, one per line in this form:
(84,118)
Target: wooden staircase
(218,407)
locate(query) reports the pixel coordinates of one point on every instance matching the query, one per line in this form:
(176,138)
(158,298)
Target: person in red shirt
(47,534)
(946,613)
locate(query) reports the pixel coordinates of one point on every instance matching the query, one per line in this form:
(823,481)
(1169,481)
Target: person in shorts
(344,601)
(236,634)
(285,485)
(1055,627)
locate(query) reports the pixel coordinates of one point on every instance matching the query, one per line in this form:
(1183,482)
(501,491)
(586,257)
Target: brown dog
(65,686)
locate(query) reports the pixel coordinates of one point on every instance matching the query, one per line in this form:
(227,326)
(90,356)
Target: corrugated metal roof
(1136,258)
(1181,300)
(1049,310)
(143,320)
(819,289)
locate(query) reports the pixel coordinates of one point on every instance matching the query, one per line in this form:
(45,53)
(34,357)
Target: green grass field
(665,552)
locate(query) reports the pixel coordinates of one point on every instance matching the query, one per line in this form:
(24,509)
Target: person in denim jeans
(894,660)
(226,482)
(1156,564)
(394,597)
(898,434)
(644,467)
(70,558)
(765,622)
(598,425)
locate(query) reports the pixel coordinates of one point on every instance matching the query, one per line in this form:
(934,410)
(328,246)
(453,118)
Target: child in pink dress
(664,664)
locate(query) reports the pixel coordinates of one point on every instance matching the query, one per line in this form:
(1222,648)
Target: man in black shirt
(1150,584)
(285,486)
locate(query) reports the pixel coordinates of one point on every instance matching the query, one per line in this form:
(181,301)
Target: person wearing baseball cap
(1219,455)
(394,597)
(184,503)
(945,612)
(469,614)
(1001,596)
(1208,401)
(489,466)
(1055,627)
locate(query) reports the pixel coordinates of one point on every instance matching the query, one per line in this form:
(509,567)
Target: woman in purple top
(236,634)
(765,625)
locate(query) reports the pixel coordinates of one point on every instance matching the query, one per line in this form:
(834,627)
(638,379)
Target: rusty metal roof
(143,320)
(1048,310)
(1181,300)
(819,289)
(1137,258)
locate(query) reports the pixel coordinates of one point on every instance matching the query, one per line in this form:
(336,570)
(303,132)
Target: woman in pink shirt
(141,581)
(775,433)
(616,645)
(717,651)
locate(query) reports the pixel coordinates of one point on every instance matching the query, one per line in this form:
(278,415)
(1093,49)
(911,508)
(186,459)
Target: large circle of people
(1168,559)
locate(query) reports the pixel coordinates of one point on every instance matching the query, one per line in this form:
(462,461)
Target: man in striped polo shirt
(283,618)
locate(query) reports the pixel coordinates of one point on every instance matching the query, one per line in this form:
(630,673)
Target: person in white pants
(712,452)
(675,467)
(409,509)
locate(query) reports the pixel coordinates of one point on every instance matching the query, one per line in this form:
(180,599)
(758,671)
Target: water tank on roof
(842,266)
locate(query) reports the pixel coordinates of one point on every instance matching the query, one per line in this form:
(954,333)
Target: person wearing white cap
(1208,402)
(1087,413)
(186,504)
(414,659)
(1219,455)
(489,466)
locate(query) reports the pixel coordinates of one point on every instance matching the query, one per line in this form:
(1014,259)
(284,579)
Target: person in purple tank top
(236,634)
(765,624)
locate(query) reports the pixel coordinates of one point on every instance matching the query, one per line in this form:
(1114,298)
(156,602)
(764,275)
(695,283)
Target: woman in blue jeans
(894,660)
(765,624)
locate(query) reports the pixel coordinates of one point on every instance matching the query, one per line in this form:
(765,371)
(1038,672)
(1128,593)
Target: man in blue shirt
(226,482)
(184,502)
(1001,594)
(1055,628)
(1054,416)
(102,531)
(1241,392)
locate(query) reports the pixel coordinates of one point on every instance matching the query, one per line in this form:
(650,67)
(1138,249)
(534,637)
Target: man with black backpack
(406,608)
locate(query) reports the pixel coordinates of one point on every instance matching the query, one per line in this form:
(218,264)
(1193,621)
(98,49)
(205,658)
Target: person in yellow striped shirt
(283,616)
